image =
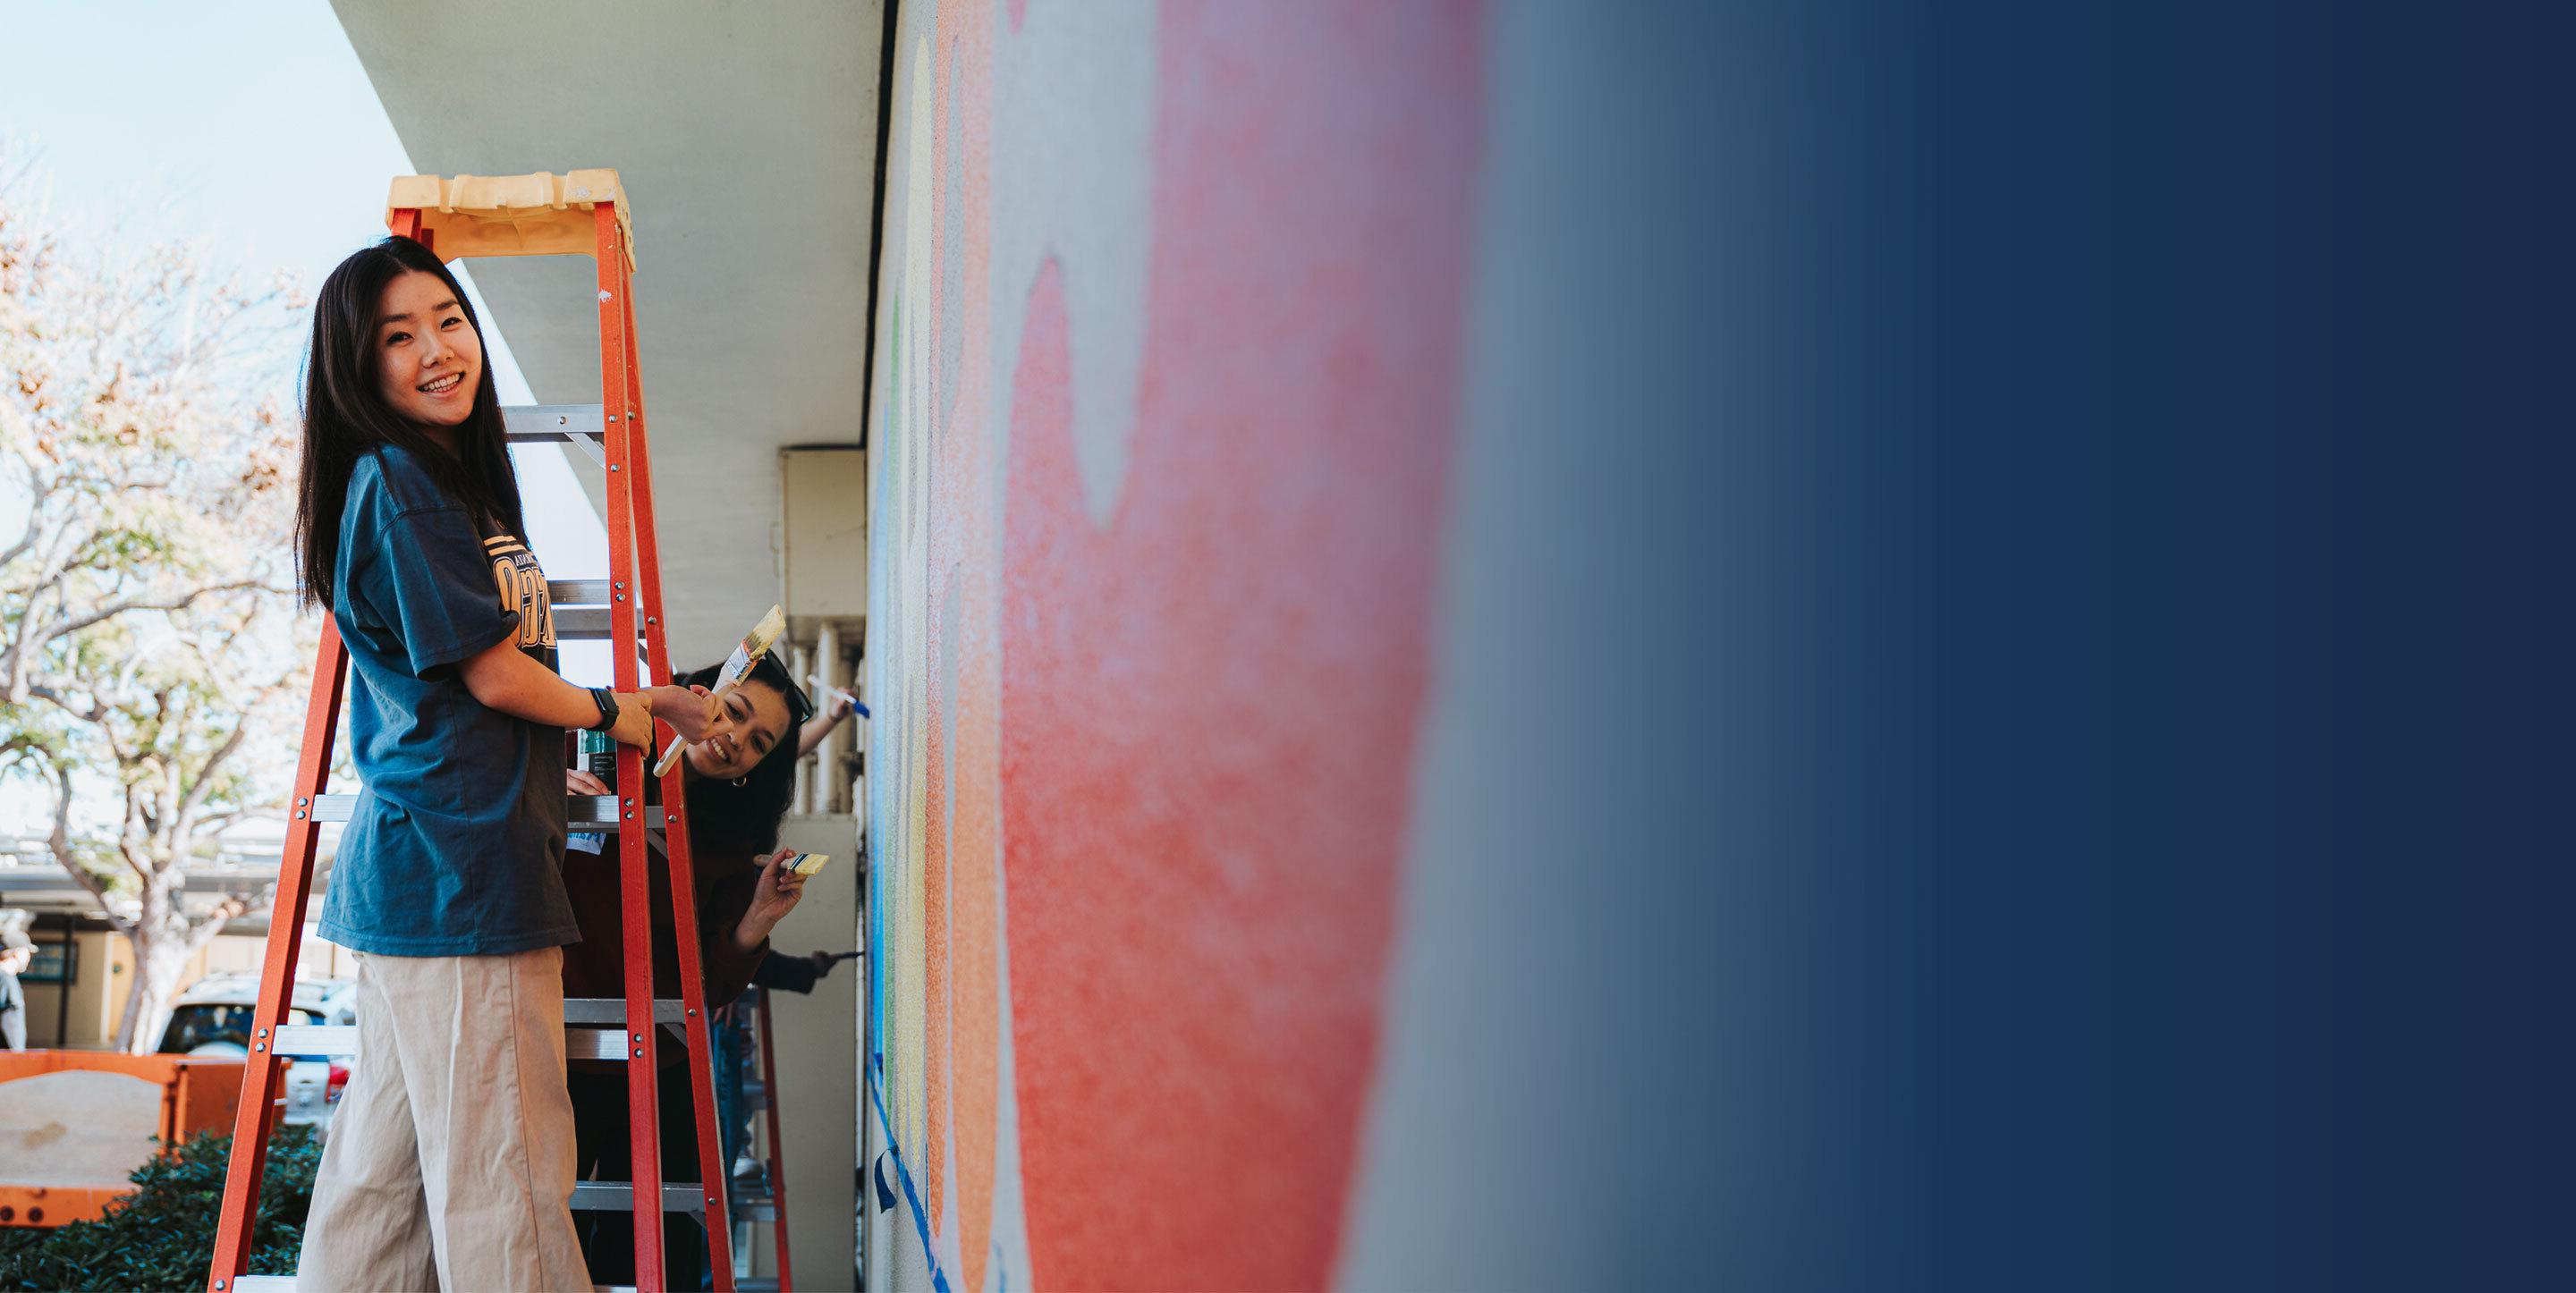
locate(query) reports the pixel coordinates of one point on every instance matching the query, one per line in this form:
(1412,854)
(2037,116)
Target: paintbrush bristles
(765,634)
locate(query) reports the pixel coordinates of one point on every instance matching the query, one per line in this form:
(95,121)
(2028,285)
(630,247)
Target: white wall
(818,1088)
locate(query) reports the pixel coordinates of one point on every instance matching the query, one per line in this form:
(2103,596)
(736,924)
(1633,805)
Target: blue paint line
(903,1177)
(876,962)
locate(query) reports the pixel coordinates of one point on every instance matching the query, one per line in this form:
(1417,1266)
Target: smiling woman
(738,783)
(448,882)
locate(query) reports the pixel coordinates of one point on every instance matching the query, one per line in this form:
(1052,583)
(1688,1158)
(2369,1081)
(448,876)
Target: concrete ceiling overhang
(746,135)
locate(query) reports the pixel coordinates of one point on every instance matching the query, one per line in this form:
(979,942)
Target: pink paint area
(963,774)
(1209,705)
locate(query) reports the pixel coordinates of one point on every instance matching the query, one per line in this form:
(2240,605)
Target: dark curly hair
(744,819)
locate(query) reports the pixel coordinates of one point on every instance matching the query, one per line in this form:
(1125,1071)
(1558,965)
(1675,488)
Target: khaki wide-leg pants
(450,1161)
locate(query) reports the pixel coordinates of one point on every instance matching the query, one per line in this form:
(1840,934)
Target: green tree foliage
(162,1236)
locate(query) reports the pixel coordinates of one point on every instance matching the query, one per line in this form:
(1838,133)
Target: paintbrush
(829,689)
(737,666)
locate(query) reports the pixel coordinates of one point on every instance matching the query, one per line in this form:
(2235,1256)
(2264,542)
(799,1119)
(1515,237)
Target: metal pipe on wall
(832,794)
(803,668)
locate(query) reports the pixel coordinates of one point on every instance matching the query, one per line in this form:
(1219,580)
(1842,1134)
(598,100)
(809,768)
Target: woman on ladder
(450,1160)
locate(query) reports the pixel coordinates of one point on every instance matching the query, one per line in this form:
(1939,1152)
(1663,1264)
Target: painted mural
(1168,345)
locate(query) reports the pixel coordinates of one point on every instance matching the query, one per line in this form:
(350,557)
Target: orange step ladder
(582,212)
(774,1168)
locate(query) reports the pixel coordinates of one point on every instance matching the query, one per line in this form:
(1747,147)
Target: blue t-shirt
(456,845)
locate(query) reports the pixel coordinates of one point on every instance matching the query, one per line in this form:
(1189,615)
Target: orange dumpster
(74,1124)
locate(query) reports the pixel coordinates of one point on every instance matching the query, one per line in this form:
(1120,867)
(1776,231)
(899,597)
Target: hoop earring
(741,779)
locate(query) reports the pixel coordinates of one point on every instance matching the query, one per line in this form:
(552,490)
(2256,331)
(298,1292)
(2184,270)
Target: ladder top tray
(514,215)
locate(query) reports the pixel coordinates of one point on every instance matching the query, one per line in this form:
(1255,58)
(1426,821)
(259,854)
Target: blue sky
(251,128)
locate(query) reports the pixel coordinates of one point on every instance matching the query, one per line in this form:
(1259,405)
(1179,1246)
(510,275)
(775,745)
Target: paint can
(599,755)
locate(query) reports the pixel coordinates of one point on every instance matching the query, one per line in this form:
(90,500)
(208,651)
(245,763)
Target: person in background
(837,706)
(778,972)
(450,1160)
(797,973)
(16,953)
(738,787)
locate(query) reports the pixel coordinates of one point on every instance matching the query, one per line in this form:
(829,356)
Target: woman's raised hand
(776,894)
(691,711)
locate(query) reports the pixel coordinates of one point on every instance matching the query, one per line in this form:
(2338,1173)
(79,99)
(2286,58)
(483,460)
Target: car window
(197,1025)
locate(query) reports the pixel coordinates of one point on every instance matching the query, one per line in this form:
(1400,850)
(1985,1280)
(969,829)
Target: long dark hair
(346,416)
(744,818)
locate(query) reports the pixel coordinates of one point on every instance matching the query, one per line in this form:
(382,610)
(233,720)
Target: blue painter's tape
(920,1218)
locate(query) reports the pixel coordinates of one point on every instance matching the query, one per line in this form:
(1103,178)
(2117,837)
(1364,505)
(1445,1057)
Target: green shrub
(162,1236)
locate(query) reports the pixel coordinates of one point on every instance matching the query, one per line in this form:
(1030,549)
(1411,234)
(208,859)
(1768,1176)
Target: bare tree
(147,635)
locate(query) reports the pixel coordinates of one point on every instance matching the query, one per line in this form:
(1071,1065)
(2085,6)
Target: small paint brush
(829,689)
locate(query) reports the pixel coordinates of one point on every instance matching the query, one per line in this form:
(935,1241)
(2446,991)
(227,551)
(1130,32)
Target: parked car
(213,1017)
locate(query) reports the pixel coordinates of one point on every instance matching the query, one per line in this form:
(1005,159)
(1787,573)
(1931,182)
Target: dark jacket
(787,973)
(596,966)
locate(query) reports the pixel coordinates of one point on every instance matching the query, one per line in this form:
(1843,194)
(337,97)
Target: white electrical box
(824,535)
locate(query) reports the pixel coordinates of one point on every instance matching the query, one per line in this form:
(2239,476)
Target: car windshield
(198,1025)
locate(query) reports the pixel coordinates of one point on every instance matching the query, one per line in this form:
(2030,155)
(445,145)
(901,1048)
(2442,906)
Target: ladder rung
(596,814)
(527,423)
(619,1196)
(579,425)
(598,1044)
(577,592)
(316,1041)
(286,1284)
(323,1041)
(612,1011)
(581,624)
(754,1207)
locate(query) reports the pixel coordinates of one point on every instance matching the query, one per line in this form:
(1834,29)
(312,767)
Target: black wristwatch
(607,702)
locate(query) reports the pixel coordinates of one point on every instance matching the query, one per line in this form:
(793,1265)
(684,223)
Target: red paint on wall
(1210,705)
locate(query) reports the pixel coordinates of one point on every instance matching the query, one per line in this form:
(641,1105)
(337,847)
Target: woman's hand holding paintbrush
(774,894)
